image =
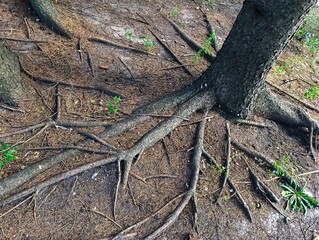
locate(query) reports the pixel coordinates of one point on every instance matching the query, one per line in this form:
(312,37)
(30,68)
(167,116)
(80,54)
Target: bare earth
(81,207)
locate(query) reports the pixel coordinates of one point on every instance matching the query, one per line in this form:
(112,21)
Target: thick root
(270,106)
(49,15)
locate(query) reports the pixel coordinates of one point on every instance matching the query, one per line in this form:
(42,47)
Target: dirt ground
(81,207)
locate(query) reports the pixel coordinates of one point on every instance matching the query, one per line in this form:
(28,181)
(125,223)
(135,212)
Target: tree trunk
(261,31)
(11,87)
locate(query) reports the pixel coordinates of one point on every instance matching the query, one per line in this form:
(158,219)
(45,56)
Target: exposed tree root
(228,154)
(57,178)
(192,185)
(251,123)
(262,157)
(80,148)
(121,234)
(191,42)
(171,53)
(48,14)
(261,186)
(15,180)
(110,43)
(311,107)
(212,161)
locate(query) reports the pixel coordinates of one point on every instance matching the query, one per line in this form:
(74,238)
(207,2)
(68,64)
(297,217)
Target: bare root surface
(154,169)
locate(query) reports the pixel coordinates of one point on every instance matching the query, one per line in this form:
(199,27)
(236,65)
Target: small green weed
(308,33)
(281,68)
(128,33)
(220,169)
(209,40)
(113,105)
(283,166)
(174,11)
(298,197)
(147,40)
(181,79)
(8,154)
(312,92)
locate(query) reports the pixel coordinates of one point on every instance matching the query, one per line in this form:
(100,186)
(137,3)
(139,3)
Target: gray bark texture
(261,31)
(49,15)
(11,87)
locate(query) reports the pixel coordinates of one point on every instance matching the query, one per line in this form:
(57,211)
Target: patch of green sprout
(128,33)
(209,40)
(312,92)
(281,68)
(174,11)
(308,33)
(113,105)
(181,79)
(299,199)
(219,168)
(148,42)
(279,171)
(8,153)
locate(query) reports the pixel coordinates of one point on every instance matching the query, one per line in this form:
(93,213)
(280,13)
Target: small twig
(72,189)
(38,133)
(10,210)
(74,85)
(57,103)
(262,157)
(166,152)
(131,193)
(11,109)
(293,97)
(79,49)
(31,128)
(275,207)
(197,153)
(192,43)
(57,178)
(97,139)
(90,63)
(130,72)
(252,123)
(119,176)
(46,197)
(136,225)
(178,66)
(210,29)
(144,179)
(195,226)
(241,199)
(104,215)
(139,156)
(261,186)
(43,99)
(28,28)
(161,115)
(231,184)
(108,42)
(228,158)
(171,52)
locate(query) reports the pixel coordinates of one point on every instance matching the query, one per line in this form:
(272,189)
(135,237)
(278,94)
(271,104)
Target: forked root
(15,180)
(187,196)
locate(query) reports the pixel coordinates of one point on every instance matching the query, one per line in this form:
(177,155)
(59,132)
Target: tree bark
(260,33)
(11,87)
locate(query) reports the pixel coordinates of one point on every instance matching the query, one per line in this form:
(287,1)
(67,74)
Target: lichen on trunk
(11,86)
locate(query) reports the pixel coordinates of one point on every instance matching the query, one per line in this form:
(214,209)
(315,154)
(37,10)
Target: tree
(235,81)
